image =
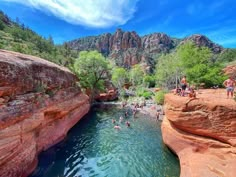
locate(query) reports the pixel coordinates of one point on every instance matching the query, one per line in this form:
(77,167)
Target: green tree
(1,25)
(198,65)
(119,77)
(228,55)
(168,71)
(136,75)
(92,70)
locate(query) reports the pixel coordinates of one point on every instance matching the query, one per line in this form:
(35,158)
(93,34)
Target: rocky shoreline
(150,108)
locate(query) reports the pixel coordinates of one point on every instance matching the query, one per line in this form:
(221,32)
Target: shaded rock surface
(202,133)
(39,104)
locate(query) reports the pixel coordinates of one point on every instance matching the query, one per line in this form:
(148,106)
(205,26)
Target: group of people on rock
(229,83)
(184,89)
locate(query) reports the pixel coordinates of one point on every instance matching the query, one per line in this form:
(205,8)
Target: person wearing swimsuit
(183,85)
(229,84)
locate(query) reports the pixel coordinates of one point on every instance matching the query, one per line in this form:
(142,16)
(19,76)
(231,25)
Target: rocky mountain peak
(157,43)
(127,48)
(201,40)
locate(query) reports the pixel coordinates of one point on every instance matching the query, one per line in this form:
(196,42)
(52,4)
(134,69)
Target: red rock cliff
(202,133)
(39,103)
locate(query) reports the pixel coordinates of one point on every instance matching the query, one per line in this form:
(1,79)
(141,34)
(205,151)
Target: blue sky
(70,19)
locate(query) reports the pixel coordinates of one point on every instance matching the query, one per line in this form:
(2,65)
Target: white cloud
(92,13)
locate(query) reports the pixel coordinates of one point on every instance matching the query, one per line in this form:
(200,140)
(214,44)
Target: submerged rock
(202,132)
(40,102)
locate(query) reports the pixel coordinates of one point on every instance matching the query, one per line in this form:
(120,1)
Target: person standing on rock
(183,83)
(229,84)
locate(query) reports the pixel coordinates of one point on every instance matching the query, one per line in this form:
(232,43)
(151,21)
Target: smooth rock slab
(202,133)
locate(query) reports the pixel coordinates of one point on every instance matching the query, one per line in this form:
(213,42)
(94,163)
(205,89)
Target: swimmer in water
(128,123)
(126,114)
(117,127)
(113,121)
(121,118)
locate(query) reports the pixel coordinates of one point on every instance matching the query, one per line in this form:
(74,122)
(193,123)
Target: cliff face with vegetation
(39,103)
(128,48)
(202,132)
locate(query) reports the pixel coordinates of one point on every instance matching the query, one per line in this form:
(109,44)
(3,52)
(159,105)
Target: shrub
(141,92)
(159,97)
(149,81)
(147,94)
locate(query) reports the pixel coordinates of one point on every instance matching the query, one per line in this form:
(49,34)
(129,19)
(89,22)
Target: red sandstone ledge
(202,133)
(39,103)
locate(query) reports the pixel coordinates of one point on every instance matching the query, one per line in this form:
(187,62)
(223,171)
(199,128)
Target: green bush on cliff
(159,97)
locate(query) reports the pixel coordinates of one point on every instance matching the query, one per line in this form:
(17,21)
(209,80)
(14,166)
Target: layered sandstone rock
(202,132)
(39,104)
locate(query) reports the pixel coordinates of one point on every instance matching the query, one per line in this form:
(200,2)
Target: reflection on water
(94,148)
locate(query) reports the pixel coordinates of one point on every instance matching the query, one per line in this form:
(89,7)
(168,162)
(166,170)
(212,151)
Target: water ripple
(94,148)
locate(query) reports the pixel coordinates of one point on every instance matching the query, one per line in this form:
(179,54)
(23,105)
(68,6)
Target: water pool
(94,148)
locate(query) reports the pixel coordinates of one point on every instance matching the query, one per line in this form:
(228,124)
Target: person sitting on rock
(178,91)
(192,96)
(192,93)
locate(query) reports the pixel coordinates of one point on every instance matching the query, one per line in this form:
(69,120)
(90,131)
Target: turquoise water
(94,148)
